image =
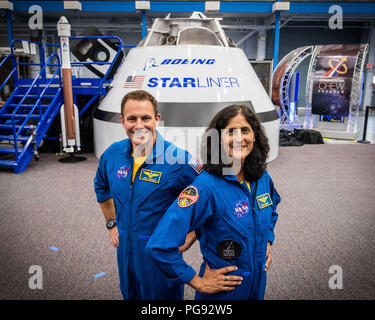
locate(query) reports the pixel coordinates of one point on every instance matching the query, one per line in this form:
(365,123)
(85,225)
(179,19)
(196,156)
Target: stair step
(26,105)
(48,96)
(52,101)
(9,115)
(10,126)
(8,163)
(10,150)
(11,138)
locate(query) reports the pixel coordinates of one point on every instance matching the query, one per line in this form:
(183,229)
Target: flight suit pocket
(121,187)
(231,242)
(263,219)
(229,223)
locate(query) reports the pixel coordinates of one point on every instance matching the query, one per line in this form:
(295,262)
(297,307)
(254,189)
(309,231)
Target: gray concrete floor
(326,218)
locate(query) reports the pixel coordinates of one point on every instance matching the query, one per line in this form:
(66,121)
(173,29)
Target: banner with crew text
(332,80)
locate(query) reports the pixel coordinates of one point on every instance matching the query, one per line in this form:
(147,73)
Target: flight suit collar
(230,176)
(157,150)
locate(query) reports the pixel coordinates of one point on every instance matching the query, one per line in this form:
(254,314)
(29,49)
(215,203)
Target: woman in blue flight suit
(232,207)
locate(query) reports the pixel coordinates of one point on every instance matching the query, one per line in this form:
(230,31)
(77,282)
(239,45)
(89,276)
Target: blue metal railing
(3,108)
(38,102)
(45,114)
(14,61)
(104,79)
(5,59)
(41,78)
(42,48)
(10,74)
(20,112)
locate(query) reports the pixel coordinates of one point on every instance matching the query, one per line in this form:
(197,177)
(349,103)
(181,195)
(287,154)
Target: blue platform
(29,111)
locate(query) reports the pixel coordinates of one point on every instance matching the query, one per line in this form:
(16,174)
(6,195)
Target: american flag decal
(134,82)
(196,164)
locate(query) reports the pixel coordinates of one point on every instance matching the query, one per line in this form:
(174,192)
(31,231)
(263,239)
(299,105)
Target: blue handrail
(50,45)
(120,46)
(10,74)
(9,100)
(8,77)
(29,41)
(33,83)
(88,104)
(42,76)
(36,103)
(15,63)
(45,114)
(42,84)
(16,134)
(5,59)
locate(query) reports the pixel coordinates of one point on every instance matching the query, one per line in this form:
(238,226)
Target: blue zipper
(252,198)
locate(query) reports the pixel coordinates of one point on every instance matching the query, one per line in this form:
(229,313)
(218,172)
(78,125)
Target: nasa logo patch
(188,197)
(228,249)
(122,172)
(241,208)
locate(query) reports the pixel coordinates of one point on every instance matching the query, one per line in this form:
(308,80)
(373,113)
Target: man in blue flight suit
(136,181)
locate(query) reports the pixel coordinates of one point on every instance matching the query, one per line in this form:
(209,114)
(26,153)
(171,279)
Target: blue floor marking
(99,275)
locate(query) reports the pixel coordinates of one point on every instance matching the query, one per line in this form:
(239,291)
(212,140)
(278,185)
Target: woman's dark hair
(255,162)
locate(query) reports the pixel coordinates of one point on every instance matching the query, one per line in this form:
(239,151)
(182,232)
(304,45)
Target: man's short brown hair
(139,95)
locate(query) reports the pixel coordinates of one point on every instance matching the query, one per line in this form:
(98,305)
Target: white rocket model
(69,111)
(193,70)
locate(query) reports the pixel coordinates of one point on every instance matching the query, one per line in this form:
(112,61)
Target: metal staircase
(31,108)
(28,112)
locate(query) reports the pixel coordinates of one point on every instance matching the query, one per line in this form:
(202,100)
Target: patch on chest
(264,200)
(149,175)
(241,208)
(228,249)
(122,172)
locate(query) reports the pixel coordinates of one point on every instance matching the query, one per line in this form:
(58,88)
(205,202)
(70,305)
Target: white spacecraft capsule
(193,70)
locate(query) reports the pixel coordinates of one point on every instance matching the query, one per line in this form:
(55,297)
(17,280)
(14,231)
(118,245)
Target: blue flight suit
(139,208)
(232,225)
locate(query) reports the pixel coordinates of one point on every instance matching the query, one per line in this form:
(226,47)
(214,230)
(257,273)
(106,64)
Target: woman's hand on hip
(216,280)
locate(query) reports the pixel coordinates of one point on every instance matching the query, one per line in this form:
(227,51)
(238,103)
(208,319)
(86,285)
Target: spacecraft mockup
(193,70)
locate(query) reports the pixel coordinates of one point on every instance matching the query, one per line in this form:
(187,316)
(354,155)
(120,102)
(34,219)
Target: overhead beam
(189,6)
(245,38)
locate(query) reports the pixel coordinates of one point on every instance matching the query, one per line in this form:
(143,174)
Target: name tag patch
(228,249)
(149,175)
(122,172)
(264,200)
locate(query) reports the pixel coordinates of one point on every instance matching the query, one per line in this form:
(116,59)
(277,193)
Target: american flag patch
(196,165)
(134,82)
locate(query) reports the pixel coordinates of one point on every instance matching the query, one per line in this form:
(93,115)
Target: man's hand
(190,239)
(109,212)
(113,236)
(215,280)
(269,258)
